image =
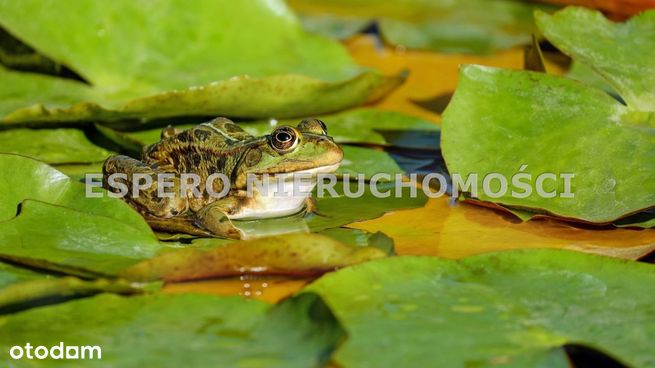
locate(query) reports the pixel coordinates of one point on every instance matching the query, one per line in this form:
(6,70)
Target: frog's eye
(314,126)
(284,139)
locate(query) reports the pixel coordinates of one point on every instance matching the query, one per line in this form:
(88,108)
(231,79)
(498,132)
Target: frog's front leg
(148,200)
(214,217)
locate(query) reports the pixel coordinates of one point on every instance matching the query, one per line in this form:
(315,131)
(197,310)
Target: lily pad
(622,53)
(368,162)
(361,238)
(291,254)
(287,71)
(514,309)
(35,180)
(587,75)
(61,146)
(22,288)
(35,293)
(81,243)
(553,125)
(470,26)
(344,209)
(215,331)
(48,221)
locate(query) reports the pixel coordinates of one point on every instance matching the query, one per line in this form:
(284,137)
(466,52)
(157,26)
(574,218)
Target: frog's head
(304,148)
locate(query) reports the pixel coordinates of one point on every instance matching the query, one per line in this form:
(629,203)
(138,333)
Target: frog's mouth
(319,170)
(288,176)
(307,173)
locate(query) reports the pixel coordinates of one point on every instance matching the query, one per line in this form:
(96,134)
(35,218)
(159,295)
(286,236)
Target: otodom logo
(60,351)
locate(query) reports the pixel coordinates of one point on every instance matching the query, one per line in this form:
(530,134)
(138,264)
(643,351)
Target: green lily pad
(342,209)
(499,120)
(61,146)
(367,161)
(64,239)
(22,288)
(77,172)
(30,294)
(470,26)
(32,179)
(513,309)
(587,75)
(283,72)
(214,331)
(622,53)
(58,227)
(291,254)
(361,238)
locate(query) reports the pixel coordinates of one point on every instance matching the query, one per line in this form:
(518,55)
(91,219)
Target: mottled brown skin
(219,146)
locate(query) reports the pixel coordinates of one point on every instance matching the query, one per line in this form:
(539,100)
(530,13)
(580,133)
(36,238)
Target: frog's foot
(213,218)
(180,224)
(311,208)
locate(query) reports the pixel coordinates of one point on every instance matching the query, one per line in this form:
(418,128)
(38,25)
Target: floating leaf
(32,179)
(34,293)
(444,229)
(520,117)
(61,146)
(291,254)
(512,308)
(22,288)
(78,172)
(587,75)
(289,72)
(346,208)
(140,331)
(59,227)
(369,162)
(473,26)
(63,239)
(361,238)
(622,53)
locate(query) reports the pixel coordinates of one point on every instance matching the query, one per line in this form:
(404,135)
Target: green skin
(219,146)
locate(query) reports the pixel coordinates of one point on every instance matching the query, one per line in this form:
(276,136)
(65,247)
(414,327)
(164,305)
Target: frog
(220,146)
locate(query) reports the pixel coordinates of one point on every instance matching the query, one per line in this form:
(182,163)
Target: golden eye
(284,139)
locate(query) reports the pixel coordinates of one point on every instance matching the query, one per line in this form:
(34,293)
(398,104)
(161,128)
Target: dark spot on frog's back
(183,137)
(197,159)
(201,135)
(220,163)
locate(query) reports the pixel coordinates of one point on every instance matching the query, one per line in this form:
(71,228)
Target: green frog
(222,147)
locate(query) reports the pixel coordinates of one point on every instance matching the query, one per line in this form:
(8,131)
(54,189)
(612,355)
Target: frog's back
(213,147)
